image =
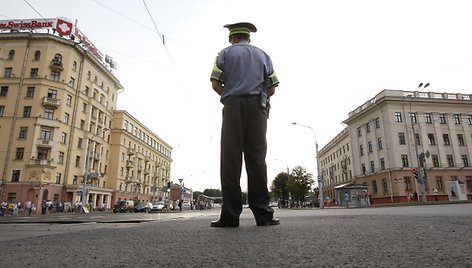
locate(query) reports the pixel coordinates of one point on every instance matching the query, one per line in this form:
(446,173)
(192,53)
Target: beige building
(58,100)
(141,162)
(383,137)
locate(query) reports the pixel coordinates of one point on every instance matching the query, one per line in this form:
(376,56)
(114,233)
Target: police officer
(244,78)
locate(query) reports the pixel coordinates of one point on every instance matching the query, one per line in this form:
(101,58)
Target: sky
(330,57)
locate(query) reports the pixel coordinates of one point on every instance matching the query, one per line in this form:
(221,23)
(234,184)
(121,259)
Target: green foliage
(212,192)
(298,184)
(196,194)
(279,187)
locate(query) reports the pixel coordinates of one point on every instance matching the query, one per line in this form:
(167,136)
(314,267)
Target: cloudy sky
(330,56)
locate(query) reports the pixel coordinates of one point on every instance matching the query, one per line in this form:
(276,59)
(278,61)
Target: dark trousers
(243,132)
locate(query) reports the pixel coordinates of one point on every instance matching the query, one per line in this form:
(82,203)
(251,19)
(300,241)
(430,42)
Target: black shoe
(220,223)
(272,221)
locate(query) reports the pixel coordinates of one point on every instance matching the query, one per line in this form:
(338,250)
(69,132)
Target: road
(407,236)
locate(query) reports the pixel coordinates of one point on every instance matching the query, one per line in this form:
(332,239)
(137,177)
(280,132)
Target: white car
(158,206)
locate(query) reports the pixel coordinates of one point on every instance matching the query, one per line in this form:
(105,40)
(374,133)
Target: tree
(279,187)
(299,183)
(196,194)
(212,192)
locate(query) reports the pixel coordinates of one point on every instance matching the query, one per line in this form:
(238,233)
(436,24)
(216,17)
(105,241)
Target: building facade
(57,109)
(141,162)
(387,133)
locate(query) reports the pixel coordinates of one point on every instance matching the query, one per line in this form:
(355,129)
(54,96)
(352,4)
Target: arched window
(11,55)
(89,75)
(74,66)
(57,59)
(37,55)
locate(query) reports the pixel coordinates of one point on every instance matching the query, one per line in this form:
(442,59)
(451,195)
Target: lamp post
(181,194)
(319,177)
(87,169)
(419,157)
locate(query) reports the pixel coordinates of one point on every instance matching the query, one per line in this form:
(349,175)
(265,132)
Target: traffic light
(415,173)
(168,186)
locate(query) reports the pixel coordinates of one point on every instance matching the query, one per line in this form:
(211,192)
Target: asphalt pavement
(407,236)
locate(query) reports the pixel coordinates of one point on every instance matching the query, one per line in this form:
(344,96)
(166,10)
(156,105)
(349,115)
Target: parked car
(123,206)
(158,206)
(143,207)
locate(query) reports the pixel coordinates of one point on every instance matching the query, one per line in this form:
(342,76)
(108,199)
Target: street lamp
(181,194)
(419,157)
(319,177)
(87,169)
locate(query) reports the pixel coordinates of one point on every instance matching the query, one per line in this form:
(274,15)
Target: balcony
(140,168)
(146,171)
(129,164)
(131,151)
(41,162)
(51,102)
(45,143)
(56,66)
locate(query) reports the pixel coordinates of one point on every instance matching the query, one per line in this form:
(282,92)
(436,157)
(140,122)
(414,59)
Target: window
(377,122)
(46,134)
(34,73)
(435,160)
(74,66)
(57,59)
(55,76)
(77,161)
(72,82)
(361,149)
(58,178)
(30,92)
(417,139)
(79,143)
(27,111)
(398,117)
(63,138)
(8,73)
(75,179)
(469,118)
(19,153)
(407,181)
(446,139)
(15,175)
(66,118)
(379,143)
(465,160)
(374,187)
(405,160)
(457,119)
(431,139)
(60,158)
(86,91)
(359,132)
(382,163)
(428,118)
(401,138)
(372,166)
(385,185)
(439,183)
(89,75)
(84,107)
(369,147)
(442,118)
(2,110)
(450,160)
(363,168)
(69,100)
(42,153)
(413,118)
(37,55)
(82,124)
(3,91)
(11,55)
(52,93)
(23,133)
(367,127)
(460,139)
(48,113)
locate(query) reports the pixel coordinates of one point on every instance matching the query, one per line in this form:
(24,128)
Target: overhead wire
(157,30)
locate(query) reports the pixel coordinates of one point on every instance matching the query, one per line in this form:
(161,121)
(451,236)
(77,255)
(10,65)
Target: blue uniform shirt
(244,70)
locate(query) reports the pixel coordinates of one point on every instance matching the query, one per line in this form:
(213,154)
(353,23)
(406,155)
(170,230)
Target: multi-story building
(57,105)
(141,162)
(385,135)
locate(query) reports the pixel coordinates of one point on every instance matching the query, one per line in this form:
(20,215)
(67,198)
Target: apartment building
(141,162)
(58,99)
(384,137)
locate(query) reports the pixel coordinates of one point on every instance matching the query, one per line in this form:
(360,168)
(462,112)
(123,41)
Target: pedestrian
(346,199)
(435,193)
(29,206)
(244,78)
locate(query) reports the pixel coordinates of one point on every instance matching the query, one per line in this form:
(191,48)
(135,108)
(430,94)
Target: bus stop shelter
(352,195)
